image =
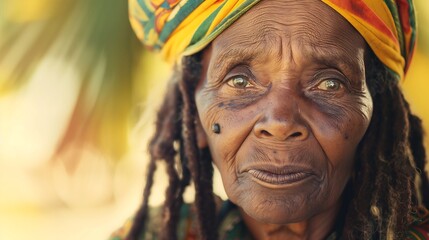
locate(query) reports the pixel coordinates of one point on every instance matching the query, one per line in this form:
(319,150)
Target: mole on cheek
(346,136)
(216,128)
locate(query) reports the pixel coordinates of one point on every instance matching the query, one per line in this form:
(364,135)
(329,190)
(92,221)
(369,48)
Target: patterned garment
(232,226)
(184,27)
(420,230)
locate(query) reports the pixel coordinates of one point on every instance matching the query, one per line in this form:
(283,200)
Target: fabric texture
(183,27)
(388,26)
(232,226)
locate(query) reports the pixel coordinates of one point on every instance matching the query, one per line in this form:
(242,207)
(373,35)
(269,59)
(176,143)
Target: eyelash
(334,75)
(319,80)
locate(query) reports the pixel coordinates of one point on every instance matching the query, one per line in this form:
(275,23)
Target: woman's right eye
(240,82)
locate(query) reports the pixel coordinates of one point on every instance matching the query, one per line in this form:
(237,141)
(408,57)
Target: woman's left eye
(239,82)
(330,85)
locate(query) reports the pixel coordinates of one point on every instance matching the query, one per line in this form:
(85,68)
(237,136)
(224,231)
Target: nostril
(296,134)
(265,133)
(280,130)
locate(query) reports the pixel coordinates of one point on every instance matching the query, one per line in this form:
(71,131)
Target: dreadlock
(384,191)
(176,125)
(389,160)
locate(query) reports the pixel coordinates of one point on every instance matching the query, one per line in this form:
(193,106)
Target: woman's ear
(201,134)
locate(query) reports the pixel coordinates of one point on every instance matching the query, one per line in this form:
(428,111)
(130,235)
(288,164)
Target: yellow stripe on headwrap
(184,27)
(380,25)
(181,38)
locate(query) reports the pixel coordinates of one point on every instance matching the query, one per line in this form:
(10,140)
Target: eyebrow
(232,56)
(341,61)
(247,53)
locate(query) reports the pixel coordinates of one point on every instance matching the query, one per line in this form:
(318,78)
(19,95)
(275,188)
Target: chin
(283,205)
(281,211)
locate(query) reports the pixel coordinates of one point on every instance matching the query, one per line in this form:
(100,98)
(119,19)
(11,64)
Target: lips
(273,175)
(278,179)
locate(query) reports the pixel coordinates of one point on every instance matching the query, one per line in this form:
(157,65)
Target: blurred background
(78,95)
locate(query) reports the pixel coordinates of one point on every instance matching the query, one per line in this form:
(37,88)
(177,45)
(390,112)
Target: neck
(315,228)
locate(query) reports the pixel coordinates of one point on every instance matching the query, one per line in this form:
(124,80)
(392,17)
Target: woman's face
(286,84)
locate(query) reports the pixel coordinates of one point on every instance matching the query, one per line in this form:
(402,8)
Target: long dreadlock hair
(384,193)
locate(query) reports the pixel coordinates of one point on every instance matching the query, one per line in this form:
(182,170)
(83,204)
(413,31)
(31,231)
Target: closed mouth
(274,176)
(278,179)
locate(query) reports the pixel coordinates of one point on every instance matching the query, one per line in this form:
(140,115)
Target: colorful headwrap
(184,27)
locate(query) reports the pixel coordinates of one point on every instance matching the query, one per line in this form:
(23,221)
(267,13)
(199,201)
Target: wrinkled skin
(286,84)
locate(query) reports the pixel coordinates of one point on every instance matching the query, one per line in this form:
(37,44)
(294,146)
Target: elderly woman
(297,104)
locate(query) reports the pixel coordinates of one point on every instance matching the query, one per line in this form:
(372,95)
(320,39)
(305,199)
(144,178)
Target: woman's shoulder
(154,223)
(154,220)
(419,230)
(231,224)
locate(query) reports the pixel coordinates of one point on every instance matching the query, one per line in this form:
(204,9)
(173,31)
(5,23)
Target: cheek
(341,133)
(235,127)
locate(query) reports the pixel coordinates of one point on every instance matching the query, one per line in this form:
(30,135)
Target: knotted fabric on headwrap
(184,27)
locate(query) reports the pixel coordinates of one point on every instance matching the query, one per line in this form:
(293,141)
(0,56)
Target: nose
(281,122)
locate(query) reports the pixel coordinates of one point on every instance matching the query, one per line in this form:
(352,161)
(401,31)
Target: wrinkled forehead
(310,25)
